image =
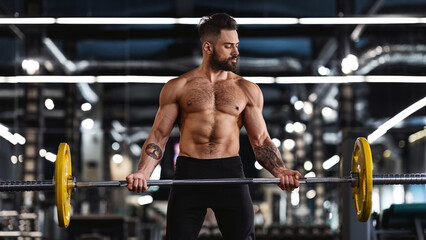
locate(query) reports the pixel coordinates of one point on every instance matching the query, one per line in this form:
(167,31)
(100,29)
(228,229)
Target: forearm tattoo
(268,156)
(154,151)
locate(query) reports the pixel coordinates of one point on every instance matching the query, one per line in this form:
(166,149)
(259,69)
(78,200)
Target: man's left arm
(266,153)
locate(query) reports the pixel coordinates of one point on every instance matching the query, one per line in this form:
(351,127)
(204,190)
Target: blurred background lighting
(49,104)
(86,107)
(117,158)
(308,166)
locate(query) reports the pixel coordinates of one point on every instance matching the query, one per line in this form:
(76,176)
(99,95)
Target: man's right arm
(153,148)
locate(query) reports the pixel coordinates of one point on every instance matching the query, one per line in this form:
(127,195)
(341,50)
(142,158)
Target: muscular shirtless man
(210,105)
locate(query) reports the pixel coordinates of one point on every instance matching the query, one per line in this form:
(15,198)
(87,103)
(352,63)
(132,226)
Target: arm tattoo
(154,151)
(268,156)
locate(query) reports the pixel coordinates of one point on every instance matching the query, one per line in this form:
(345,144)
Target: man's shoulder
(246,84)
(182,79)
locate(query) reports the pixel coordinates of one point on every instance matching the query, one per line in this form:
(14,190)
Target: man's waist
(193,168)
(206,158)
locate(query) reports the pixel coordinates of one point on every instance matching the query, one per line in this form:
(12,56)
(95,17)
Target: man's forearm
(269,157)
(154,151)
(150,157)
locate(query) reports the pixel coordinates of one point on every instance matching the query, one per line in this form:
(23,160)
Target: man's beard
(223,65)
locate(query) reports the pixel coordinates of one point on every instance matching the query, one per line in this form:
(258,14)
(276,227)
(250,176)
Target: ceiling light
(115,146)
(311,194)
(14,159)
(349,64)
(49,104)
(257,165)
(143,200)
(299,127)
(27,20)
(163,79)
(42,152)
(30,66)
(295,198)
(50,156)
(195,21)
(117,158)
(308,108)
(117,20)
(330,162)
(276,142)
(268,21)
(87,123)
(289,127)
(298,105)
(323,71)
(86,107)
(417,136)
(289,144)
(396,119)
(19,138)
(362,20)
(308,165)
(156,174)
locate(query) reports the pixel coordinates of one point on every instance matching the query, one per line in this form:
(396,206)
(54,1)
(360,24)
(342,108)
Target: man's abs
(207,136)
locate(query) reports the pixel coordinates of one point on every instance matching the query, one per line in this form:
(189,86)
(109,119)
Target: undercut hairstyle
(210,26)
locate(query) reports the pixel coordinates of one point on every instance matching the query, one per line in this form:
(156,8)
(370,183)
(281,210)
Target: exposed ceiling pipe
(359,29)
(331,45)
(71,68)
(184,64)
(408,54)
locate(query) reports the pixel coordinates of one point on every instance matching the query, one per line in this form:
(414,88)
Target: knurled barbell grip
(405,179)
(21,186)
(220,181)
(413,178)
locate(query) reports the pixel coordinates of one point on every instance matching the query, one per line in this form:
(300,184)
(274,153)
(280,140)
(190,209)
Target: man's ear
(207,47)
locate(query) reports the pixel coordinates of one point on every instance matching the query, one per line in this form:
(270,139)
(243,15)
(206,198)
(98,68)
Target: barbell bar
(48,185)
(361,180)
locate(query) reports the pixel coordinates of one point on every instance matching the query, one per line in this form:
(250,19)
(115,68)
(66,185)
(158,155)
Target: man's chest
(224,97)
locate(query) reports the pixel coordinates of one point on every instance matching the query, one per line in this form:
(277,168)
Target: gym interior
(89,73)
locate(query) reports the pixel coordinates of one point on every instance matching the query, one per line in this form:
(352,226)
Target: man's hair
(210,26)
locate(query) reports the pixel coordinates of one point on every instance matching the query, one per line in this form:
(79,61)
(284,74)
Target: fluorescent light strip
(261,80)
(330,162)
(124,20)
(362,20)
(133,79)
(48,79)
(194,21)
(396,119)
(27,20)
(256,79)
(395,79)
(190,21)
(266,21)
(319,79)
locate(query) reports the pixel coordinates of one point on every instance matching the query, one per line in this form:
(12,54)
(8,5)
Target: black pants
(231,204)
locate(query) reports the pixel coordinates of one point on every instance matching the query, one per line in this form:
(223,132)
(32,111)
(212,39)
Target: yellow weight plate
(362,190)
(62,188)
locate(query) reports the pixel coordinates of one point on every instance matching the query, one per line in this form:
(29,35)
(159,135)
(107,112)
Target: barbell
(361,180)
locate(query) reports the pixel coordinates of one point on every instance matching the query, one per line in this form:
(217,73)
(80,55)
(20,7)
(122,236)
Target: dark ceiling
(170,50)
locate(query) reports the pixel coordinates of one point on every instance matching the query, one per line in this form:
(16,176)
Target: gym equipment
(361,179)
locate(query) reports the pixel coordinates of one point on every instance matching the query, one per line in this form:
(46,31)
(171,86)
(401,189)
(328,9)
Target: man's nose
(235,51)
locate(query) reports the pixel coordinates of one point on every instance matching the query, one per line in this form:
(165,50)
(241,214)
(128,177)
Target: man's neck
(212,74)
